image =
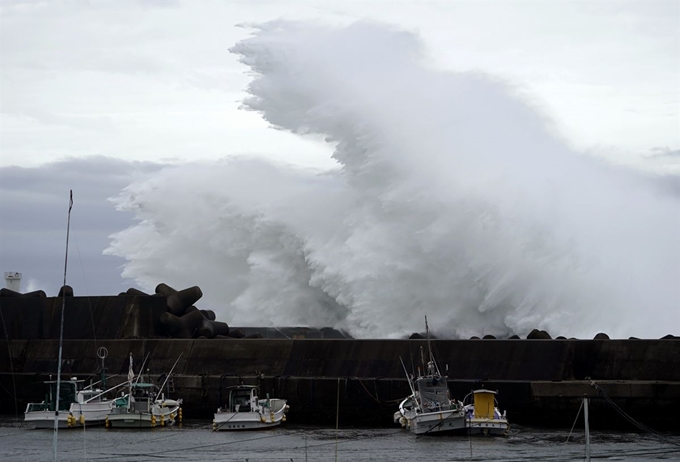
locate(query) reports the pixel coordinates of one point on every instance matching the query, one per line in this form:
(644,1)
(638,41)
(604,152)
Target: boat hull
(131,420)
(89,413)
(163,413)
(232,421)
(410,416)
(42,420)
(142,419)
(487,426)
(436,422)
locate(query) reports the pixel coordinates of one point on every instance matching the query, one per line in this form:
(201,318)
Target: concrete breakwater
(540,382)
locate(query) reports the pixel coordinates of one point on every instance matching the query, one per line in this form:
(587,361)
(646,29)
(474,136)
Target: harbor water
(194,441)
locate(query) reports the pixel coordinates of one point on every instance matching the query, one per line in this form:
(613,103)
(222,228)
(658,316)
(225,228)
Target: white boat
(429,409)
(483,416)
(143,406)
(78,406)
(244,410)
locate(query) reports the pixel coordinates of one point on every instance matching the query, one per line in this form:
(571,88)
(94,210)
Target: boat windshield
(143,390)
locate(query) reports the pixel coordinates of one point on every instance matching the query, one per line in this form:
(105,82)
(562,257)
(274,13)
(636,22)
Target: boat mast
(131,376)
(61,329)
(410,382)
(429,349)
(170,373)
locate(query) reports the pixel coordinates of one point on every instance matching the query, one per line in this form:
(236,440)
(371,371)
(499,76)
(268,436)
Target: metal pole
(61,330)
(585,416)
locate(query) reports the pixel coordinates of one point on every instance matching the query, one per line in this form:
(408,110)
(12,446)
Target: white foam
(452,198)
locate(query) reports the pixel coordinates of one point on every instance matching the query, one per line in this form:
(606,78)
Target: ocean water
(194,441)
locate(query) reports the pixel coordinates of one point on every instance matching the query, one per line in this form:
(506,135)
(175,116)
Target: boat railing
(37,407)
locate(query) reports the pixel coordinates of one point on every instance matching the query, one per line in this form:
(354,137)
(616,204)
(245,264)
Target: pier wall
(35,318)
(540,382)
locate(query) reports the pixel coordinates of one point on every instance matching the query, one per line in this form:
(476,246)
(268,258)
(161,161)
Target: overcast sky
(154,81)
(96,94)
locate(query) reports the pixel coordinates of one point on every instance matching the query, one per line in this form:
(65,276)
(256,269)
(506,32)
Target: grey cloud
(664,152)
(34,206)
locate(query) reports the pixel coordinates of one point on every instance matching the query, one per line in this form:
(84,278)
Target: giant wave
(451,198)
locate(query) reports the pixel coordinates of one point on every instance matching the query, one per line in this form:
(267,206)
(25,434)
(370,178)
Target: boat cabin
(433,393)
(484,405)
(242,398)
(68,390)
(143,394)
(89,395)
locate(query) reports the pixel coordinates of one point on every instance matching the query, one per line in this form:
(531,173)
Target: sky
(119,100)
(153,80)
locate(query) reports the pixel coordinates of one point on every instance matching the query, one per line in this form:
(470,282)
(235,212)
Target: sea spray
(452,198)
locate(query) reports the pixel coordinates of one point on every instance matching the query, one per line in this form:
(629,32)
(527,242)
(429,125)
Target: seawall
(540,382)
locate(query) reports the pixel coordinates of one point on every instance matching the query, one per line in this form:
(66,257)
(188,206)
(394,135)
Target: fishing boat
(80,405)
(244,410)
(141,407)
(144,405)
(429,408)
(482,414)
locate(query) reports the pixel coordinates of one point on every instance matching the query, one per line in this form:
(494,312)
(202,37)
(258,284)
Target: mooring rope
(575,420)
(630,419)
(87,292)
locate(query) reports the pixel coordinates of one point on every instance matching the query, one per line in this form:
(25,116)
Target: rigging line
(337,421)
(470,442)
(9,393)
(437,357)
(630,419)
(223,443)
(11,366)
(170,373)
(453,416)
(141,442)
(84,436)
(574,424)
(225,422)
(368,392)
(557,457)
(348,440)
(141,369)
(87,292)
(61,328)
(643,452)
(279,331)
